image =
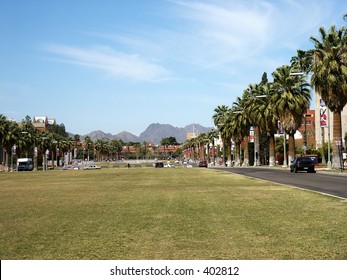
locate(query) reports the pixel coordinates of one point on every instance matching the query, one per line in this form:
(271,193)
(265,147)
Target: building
(41,123)
(306,135)
(191,135)
(324,121)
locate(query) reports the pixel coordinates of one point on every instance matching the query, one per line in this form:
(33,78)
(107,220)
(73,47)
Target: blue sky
(119,65)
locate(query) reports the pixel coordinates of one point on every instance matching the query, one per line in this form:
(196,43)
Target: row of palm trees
(264,107)
(198,147)
(281,104)
(23,140)
(285,100)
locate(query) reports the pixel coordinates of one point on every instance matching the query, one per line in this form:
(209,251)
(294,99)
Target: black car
(203,163)
(302,164)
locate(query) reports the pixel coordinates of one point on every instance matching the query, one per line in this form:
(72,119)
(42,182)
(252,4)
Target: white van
(25,164)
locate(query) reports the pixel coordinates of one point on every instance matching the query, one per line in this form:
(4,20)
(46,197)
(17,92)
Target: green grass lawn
(180,213)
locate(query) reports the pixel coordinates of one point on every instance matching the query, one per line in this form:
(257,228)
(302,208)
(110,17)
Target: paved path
(335,185)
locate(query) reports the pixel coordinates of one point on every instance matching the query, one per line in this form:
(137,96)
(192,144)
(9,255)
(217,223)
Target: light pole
(305,133)
(284,149)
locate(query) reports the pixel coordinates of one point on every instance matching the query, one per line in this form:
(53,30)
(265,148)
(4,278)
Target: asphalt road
(335,185)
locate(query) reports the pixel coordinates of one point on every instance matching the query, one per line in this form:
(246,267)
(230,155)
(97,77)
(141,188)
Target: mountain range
(154,133)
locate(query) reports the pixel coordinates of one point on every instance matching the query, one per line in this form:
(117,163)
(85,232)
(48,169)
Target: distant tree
(264,79)
(169,141)
(57,129)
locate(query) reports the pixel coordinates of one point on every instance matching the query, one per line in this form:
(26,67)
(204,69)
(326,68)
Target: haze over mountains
(154,133)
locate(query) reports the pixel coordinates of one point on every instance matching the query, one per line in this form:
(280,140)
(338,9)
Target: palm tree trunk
(291,149)
(213,155)
(7,166)
(229,153)
(256,146)
(238,160)
(246,155)
(272,160)
(337,140)
(223,154)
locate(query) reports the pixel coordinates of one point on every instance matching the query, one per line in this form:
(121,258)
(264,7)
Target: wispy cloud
(202,35)
(114,63)
(227,31)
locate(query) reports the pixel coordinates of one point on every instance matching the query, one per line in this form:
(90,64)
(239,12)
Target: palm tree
(238,126)
(201,139)
(251,107)
(100,146)
(44,141)
(9,132)
(330,77)
(212,135)
(219,119)
(291,98)
(269,119)
(227,132)
(3,131)
(188,147)
(302,62)
(27,138)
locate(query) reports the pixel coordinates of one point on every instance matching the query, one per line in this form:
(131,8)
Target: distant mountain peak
(154,133)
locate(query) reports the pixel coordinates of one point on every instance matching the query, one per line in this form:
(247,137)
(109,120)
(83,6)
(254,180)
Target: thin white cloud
(226,31)
(216,35)
(112,62)
(219,33)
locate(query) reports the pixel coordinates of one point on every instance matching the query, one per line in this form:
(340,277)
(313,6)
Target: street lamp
(296,74)
(285,149)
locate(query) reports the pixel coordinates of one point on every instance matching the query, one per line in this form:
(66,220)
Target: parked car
(25,164)
(71,167)
(90,167)
(302,164)
(203,163)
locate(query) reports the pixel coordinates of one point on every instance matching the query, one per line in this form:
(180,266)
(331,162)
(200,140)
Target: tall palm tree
(330,77)
(302,62)
(219,119)
(9,136)
(44,142)
(291,98)
(3,131)
(192,144)
(261,113)
(27,138)
(212,135)
(238,126)
(201,140)
(251,107)
(269,118)
(87,142)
